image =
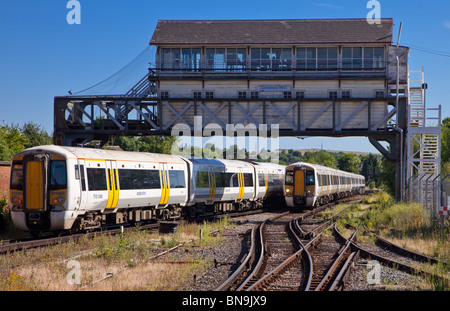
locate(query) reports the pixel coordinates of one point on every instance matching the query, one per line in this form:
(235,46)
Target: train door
(113,184)
(35,171)
(81,176)
(299,182)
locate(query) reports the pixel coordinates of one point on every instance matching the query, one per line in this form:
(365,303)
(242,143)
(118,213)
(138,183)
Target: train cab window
(17,176)
(177,179)
(58,175)
(96,179)
(289,179)
(248,180)
(310,181)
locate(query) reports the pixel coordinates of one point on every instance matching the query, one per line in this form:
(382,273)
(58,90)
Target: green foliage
(14,138)
(36,135)
(153,144)
(321,157)
(371,169)
(11,141)
(349,162)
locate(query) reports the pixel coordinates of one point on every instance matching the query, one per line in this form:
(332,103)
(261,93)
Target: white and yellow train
(55,188)
(310,185)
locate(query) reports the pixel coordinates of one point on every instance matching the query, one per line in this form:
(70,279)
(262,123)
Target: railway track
(19,245)
(318,259)
(15,245)
(278,265)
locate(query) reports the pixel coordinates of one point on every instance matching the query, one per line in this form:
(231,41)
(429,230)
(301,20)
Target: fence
(433,192)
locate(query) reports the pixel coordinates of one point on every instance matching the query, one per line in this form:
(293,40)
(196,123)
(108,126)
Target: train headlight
(58,200)
(16,200)
(58,197)
(310,191)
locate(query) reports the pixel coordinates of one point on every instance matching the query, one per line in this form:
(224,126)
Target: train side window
(131,179)
(83,178)
(96,179)
(235,180)
(177,179)
(248,180)
(271,183)
(202,180)
(220,179)
(79,173)
(262,180)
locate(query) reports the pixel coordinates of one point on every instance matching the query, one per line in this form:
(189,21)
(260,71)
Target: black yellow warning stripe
(241,185)
(113,188)
(165,189)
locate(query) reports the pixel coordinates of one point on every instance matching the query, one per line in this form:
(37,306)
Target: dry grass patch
(127,257)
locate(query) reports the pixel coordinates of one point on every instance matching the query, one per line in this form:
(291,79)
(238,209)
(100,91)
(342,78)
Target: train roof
(219,162)
(320,167)
(268,165)
(105,154)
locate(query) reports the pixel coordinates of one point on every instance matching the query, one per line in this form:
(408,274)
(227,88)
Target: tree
(349,162)
(127,143)
(157,144)
(388,175)
(320,157)
(12,141)
(35,135)
(445,140)
(371,169)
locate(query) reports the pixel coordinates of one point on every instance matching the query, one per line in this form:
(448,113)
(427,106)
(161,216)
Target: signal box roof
(262,32)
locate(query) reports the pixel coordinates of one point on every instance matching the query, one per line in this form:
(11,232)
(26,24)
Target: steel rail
(41,242)
(337,262)
(297,232)
(291,260)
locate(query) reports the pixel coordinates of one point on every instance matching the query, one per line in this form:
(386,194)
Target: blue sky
(42,56)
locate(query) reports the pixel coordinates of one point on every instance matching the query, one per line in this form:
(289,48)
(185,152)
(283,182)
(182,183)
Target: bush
(4,211)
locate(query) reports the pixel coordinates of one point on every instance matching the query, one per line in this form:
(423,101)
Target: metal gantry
(423,143)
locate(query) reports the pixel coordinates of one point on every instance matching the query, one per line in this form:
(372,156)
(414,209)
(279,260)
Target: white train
(309,185)
(56,188)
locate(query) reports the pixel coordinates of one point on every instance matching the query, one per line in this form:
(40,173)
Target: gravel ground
(226,256)
(367,277)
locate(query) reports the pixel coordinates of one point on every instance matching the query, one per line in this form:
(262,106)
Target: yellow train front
(310,185)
